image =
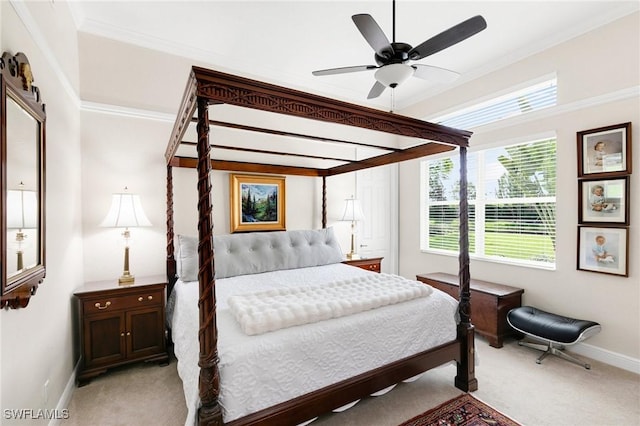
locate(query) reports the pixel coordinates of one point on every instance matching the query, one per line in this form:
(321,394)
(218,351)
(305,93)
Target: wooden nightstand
(120,324)
(371,264)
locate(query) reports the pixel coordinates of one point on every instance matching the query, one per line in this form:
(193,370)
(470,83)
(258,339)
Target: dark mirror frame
(16,80)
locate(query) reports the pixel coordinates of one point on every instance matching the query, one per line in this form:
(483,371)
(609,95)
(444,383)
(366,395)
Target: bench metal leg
(552,349)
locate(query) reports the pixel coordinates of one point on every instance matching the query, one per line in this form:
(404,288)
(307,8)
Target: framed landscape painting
(605,151)
(604,200)
(604,250)
(257,203)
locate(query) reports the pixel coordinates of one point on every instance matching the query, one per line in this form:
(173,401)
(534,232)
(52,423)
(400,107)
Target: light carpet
(554,393)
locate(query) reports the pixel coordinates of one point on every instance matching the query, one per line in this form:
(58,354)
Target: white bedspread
(263,370)
(278,308)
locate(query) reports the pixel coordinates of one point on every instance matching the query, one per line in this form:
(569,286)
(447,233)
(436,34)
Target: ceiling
(284,41)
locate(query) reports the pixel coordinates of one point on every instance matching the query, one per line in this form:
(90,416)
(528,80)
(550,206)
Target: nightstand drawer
(370,264)
(113,303)
(375,267)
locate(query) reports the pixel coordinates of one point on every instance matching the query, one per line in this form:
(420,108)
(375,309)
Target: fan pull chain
(393,100)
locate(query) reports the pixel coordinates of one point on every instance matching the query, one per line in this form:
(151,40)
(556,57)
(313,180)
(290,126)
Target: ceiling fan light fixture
(393,74)
(393,58)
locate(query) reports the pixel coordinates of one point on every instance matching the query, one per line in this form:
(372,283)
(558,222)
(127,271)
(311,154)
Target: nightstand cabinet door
(104,339)
(146,333)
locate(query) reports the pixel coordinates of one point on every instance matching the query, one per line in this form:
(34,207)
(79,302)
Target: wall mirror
(22,266)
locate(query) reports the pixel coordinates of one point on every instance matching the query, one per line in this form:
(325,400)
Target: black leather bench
(554,330)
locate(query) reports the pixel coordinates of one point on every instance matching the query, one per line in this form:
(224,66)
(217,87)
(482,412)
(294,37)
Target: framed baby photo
(605,151)
(604,200)
(604,250)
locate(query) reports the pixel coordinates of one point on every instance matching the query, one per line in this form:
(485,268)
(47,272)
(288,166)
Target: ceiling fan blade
(374,35)
(448,38)
(434,74)
(343,70)
(376,90)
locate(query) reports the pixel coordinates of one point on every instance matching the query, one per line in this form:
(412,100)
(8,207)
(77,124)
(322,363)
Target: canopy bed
(331,122)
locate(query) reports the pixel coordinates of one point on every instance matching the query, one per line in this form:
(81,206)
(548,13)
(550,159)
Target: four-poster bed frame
(206,87)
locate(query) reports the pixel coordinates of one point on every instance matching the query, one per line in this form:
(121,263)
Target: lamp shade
(22,209)
(352,210)
(393,74)
(125,212)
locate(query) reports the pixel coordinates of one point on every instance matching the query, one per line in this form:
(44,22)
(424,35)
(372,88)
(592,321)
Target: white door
(377,234)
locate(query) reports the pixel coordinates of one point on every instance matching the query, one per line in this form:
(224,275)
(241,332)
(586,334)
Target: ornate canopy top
(217,88)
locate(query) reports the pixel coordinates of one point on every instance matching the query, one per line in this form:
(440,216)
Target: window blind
(529,99)
(511,192)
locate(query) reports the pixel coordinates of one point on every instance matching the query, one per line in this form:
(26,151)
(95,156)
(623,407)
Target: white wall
(118,152)
(598,85)
(37,342)
(125,147)
(133,156)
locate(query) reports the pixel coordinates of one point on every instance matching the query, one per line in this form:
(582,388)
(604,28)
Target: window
(512,203)
(529,99)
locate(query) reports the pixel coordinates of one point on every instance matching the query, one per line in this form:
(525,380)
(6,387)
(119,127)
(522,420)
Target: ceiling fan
(393,58)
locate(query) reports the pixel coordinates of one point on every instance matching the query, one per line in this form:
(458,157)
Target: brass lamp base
(353,256)
(126,279)
(20,261)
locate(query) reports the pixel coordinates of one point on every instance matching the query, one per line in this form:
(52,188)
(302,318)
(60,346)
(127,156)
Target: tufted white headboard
(257,252)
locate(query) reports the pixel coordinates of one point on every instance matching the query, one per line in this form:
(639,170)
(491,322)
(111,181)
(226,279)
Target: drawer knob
(106,305)
(140,299)
(121,334)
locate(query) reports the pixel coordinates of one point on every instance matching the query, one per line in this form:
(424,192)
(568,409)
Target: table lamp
(22,214)
(125,212)
(352,213)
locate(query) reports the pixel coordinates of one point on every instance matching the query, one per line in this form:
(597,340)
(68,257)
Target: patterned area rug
(463,410)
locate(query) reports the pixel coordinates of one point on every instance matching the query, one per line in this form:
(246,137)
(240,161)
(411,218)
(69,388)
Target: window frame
(478,204)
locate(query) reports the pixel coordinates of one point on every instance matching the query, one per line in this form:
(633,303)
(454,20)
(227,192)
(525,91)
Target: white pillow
(187,258)
(257,252)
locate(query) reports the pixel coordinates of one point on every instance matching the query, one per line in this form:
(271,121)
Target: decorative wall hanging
(605,151)
(257,203)
(22,176)
(603,250)
(603,201)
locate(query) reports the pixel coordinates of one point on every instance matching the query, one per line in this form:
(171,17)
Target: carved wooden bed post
(209,380)
(171,259)
(324,201)
(465,378)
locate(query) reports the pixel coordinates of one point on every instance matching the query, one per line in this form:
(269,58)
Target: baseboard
(65,398)
(606,356)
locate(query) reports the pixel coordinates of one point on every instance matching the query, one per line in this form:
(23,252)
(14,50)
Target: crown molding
(126,111)
(40,40)
(541,45)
